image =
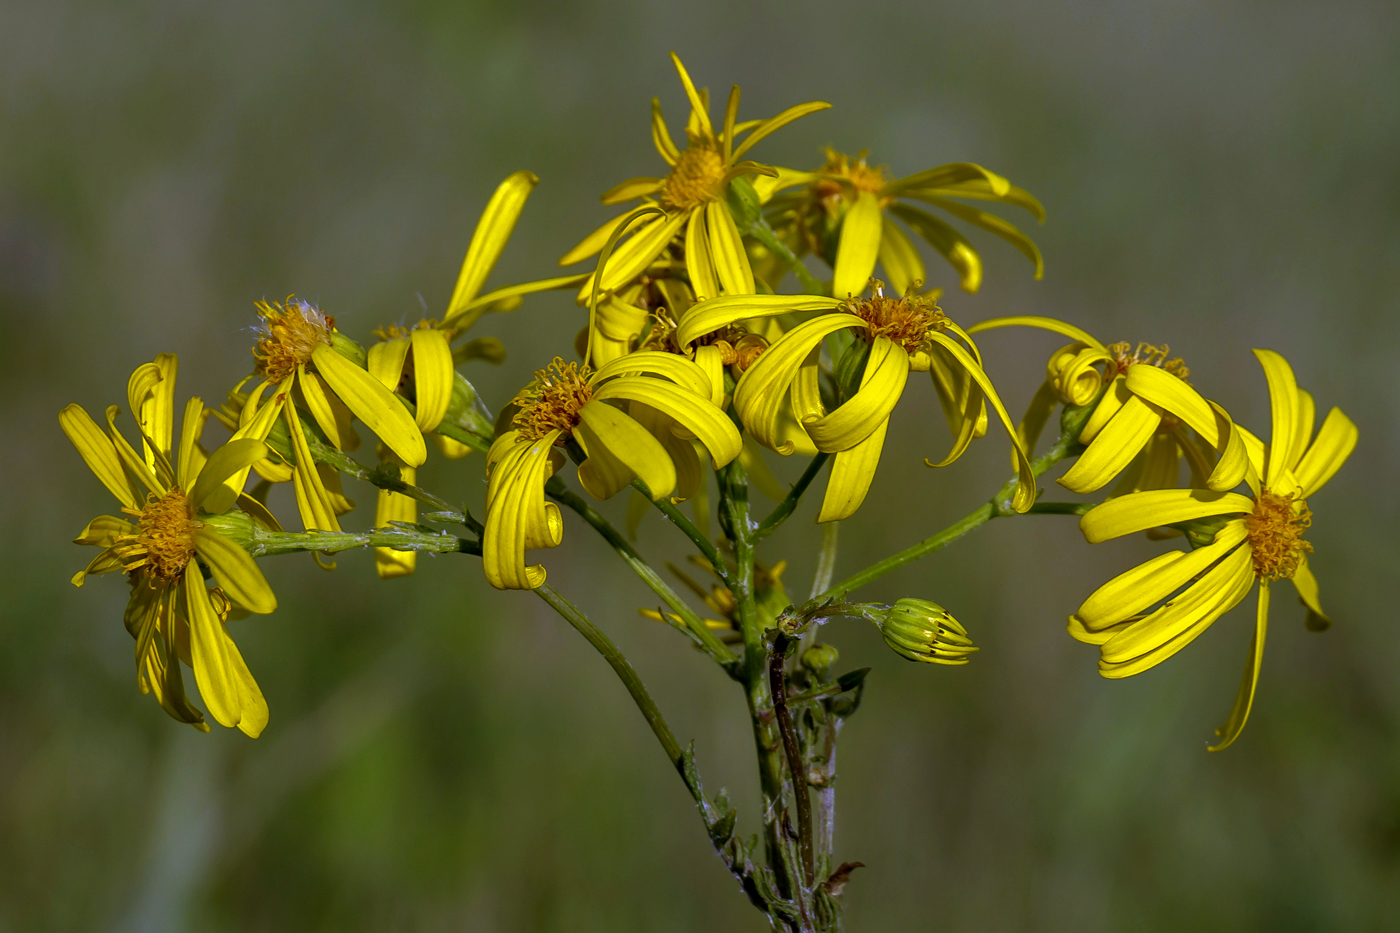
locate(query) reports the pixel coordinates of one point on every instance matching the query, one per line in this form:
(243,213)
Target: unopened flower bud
(819,658)
(1073,373)
(924,631)
(747,350)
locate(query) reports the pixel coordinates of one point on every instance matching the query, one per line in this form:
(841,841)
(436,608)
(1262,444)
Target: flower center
(1146,354)
(907,320)
(290,333)
(164,540)
(698,177)
(855,172)
(1275,530)
(553,400)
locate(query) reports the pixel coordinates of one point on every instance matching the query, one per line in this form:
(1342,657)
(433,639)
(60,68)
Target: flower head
(173,495)
(779,392)
(843,212)
(631,419)
(1142,617)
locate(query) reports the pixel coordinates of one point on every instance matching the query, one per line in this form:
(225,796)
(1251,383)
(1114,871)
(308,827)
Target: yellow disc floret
(291,333)
(698,177)
(553,400)
(164,541)
(843,173)
(1275,529)
(906,320)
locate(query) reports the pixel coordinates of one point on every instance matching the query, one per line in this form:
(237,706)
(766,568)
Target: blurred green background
(1218,176)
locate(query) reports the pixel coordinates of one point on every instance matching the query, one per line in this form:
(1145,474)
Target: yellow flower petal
(1024,496)
(859,246)
(151,394)
(433,376)
(1165,632)
(698,262)
(886,373)
(635,253)
(253,712)
(1130,593)
(992,224)
(190,458)
(852,471)
(711,362)
(489,239)
(386,359)
(591,244)
(949,174)
(134,464)
(1333,446)
(1306,585)
(661,137)
(773,124)
(395,507)
(508,298)
(630,189)
(727,250)
(899,256)
(1114,447)
(1140,511)
(103,531)
(105,562)
(373,404)
(1283,401)
(953,246)
(623,449)
(317,512)
(517,478)
(709,316)
(678,369)
(1244,700)
(235,571)
(235,456)
(695,413)
(1037,414)
(1302,430)
(1044,323)
(699,110)
(1078,632)
(681,450)
(962,402)
(213,667)
(97,452)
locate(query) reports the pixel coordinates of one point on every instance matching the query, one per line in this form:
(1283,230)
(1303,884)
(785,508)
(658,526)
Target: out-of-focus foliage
(1226,171)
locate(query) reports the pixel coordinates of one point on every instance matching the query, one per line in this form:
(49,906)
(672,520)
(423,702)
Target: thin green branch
(760,231)
(703,544)
(777,687)
(785,508)
(263,543)
(695,626)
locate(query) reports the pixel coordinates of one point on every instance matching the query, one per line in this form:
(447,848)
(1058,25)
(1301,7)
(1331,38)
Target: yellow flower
(691,199)
(841,215)
(1144,420)
(903,335)
(1260,538)
(627,418)
(169,493)
(304,363)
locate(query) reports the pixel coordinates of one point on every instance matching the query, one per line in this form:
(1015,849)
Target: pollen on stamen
(552,402)
(291,333)
(164,541)
(1275,529)
(1146,354)
(844,173)
(906,320)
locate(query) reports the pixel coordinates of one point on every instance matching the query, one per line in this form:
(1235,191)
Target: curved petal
(313,502)
(252,706)
(1174,626)
(711,363)
(1114,448)
(699,111)
(762,389)
(386,360)
(1033,421)
(964,406)
(678,369)
(591,244)
(516,480)
(773,124)
(213,667)
(233,457)
(613,436)
(699,263)
(392,507)
(1140,511)
(661,136)
(859,246)
(706,317)
(950,174)
(1306,585)
(489,239)
(992,224)
(134,464)
(852,471)
(1024,496)
(189,458)
(1044,323)
(727,250)
(631,189)
(151,393)
(634,254)
(433,376)
(105,562)
(1130,593)
(886,373)
(373,404)
(953,246)
(1284,404)
(1333,446)
(104,530)
(695,413)
(235,571)
(97,452)
(1244,700)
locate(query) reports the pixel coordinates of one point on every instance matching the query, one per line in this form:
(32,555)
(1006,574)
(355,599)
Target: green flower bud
(819,658)
(238,527)
(924,631)
(349,349)
(466,409)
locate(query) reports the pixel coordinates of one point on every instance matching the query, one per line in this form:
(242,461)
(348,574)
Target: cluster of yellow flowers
(691,342)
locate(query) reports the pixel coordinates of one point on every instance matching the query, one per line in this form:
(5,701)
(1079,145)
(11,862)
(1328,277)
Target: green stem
(826,558)
(777,687)
(785,508)
(999,505)
(694,625)
(627,674)
(262,543)
(703,544)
